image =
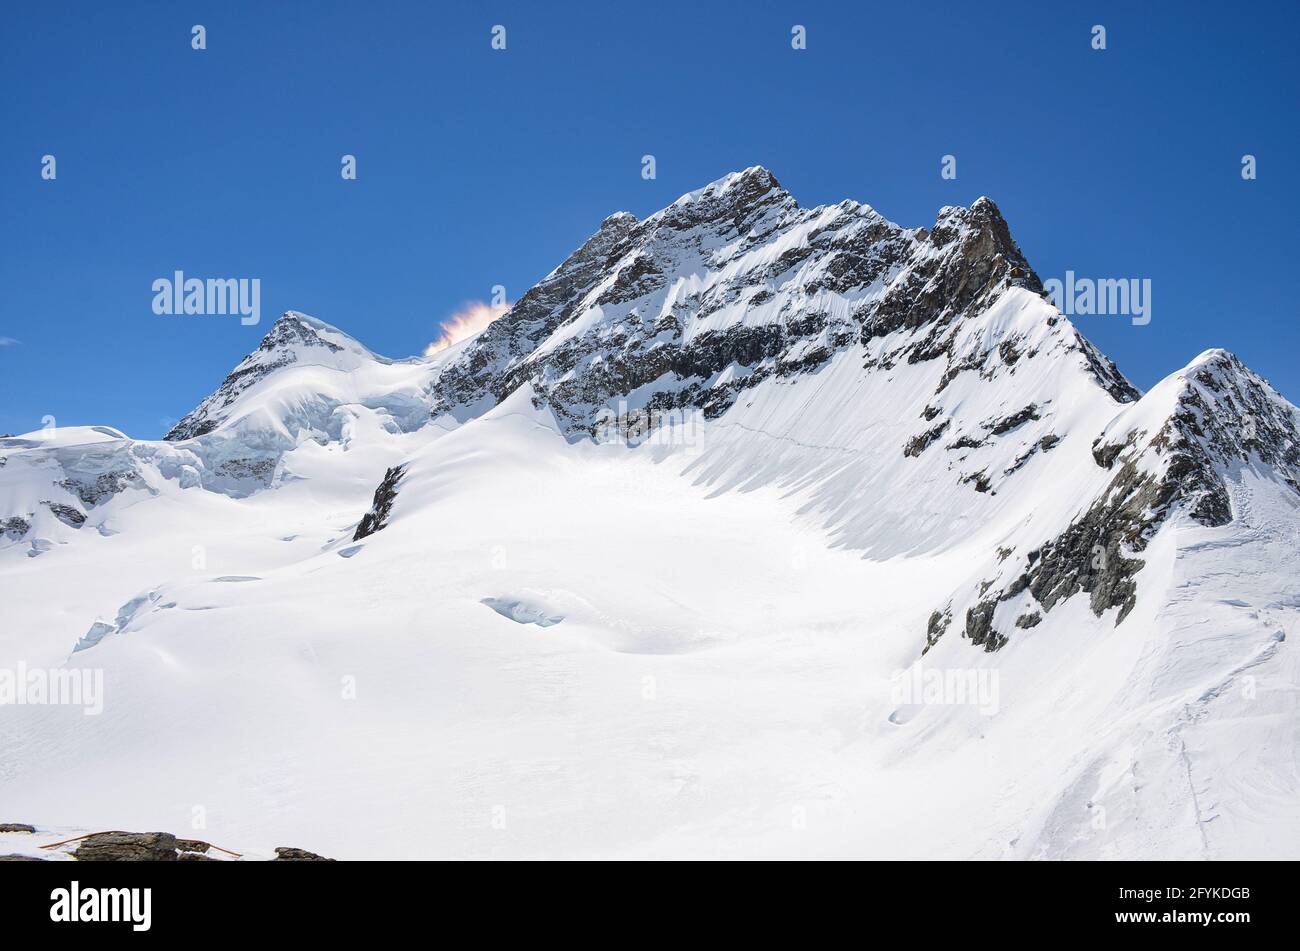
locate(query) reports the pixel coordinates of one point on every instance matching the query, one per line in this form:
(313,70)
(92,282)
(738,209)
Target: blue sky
(479,167)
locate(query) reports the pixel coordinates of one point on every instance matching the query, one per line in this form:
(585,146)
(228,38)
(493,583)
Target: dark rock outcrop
(938,624)
(99,488)
(154,847)
(72,517)
(127,847)
(918,444)
(385,495)
(1003,426)
(287,854)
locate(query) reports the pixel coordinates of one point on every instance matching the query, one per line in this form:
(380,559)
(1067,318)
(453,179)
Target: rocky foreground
(20,842)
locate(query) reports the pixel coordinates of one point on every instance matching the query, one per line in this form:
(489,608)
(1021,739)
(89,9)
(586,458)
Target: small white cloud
(466,322)
(8,342)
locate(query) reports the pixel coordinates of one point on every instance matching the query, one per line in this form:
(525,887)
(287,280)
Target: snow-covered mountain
(635,571)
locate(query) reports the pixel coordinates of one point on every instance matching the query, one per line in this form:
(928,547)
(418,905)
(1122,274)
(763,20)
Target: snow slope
(659,550)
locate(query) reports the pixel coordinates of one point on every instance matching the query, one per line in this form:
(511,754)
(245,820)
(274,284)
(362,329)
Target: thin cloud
(9,342)
(466,322)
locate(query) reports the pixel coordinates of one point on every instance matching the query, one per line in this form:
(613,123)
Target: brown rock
(285,854)
(127,847)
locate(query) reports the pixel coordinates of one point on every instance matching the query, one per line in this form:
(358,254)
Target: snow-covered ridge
(313,349)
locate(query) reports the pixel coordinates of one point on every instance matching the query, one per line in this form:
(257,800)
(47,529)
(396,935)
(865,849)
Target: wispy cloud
(9,342)
(466,322)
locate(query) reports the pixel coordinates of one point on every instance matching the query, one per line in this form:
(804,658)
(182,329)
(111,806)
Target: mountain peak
(1215,357)
(752,178)
(1200,424)
(738,196)
(619,219)
(296,328)
(756,178)
(295,338)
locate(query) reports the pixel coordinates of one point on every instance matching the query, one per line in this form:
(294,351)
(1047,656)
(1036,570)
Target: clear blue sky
(479,167)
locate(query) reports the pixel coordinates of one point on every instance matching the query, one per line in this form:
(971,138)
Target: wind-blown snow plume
(465,323)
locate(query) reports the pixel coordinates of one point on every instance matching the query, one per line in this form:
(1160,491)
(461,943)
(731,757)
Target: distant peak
(1215,356)
(294,339)
(298,318)
(1214,368)
(1222,371)
(294,328)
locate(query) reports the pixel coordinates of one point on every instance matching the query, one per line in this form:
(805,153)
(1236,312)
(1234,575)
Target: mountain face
(295,339)
(1176,450)
(736,277)
(752,459)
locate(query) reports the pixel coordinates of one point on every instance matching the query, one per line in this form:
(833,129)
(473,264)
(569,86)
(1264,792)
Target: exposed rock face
(979,626)
(1169,452)
(385,495)
(16,827)
(778,290)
